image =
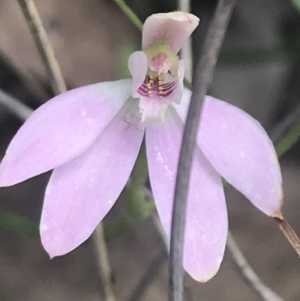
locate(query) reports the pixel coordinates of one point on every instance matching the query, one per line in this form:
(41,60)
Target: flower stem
(186,51)
(103,263)
(129,13)
(203,75)
(288,140)
(289,233)
(14,106)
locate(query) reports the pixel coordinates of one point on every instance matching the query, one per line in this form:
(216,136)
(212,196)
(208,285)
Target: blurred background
(258,70)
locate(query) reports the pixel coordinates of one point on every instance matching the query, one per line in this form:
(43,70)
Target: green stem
(288,140)
(297,3)
(17,224)
(130,14)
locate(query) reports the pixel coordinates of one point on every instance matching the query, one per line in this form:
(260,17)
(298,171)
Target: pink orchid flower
(91,137)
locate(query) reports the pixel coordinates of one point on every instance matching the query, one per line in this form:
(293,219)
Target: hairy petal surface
(62,129)
(206,220)
(138,66)
(238,147)
(173,28)
(81,192)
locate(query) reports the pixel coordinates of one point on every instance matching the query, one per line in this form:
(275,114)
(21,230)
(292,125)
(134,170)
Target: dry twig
(43,45)
(247,273)
(103,263)
(14,106)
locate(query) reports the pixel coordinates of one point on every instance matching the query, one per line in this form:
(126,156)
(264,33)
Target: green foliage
(129,13)
(288,140)
(296,3)
(126,49)
(17,224)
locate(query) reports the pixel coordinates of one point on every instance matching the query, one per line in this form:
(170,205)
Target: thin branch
(203,76)
(129,13)
(14,106)
(154,268)
(288,140)
(43,44)
(285,124)
(186,51)
(289,234)
(247,273)
(103,263)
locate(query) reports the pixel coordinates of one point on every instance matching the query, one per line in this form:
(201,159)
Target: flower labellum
(91,137)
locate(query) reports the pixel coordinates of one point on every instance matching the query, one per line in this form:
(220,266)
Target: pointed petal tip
(278,213)
(55,246)
(53,253)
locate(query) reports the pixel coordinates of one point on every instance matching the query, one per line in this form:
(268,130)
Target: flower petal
(62,129)
(238,147)
(138,66)
(206,219)
(176,95)
(81,192)
(173,28)
(152,109)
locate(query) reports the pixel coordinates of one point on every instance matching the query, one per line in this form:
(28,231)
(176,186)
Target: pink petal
(206,222)
(240,150)
(80,193)
(138,66)
(152,109)
(173,28)
(62,129)
(176,95)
